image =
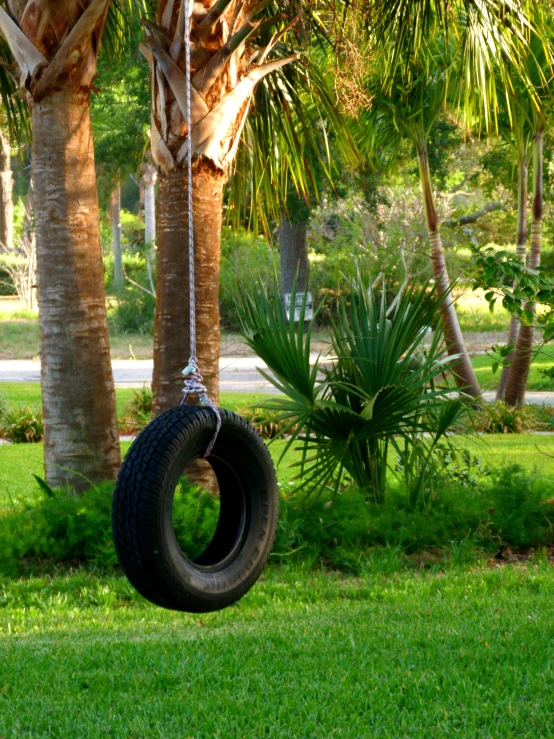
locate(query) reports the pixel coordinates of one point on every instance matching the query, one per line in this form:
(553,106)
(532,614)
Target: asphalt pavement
(237,374)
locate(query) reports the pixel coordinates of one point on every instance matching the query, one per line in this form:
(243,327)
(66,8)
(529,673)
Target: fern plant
(383,390)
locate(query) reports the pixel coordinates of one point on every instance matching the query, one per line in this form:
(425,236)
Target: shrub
(341,532)
(250,257)
(137,413)
(267,423)
(66,527)
(133,312)
(22,425)
(499,418)
(134,266)
(521,516)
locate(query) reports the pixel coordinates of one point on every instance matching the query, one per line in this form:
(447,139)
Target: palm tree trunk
(81,436)
(521,363)
(115,212)
(293,246)
(172,334)
(521,248)
(149,177)
(462,368)
(6,194)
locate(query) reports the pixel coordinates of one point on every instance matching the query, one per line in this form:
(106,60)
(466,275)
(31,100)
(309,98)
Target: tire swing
(143,528)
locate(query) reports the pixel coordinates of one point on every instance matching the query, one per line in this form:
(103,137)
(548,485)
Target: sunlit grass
(304,654)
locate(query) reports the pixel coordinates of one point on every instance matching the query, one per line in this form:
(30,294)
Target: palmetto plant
(54,47)
(379,392)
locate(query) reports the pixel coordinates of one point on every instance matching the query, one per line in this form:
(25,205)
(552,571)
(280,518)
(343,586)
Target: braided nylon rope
(194,382)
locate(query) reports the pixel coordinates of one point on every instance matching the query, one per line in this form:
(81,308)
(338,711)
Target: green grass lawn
(19,394)
(305,654)
(19,462)
(488,381)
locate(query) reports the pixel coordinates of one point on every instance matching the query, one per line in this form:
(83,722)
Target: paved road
(236,375)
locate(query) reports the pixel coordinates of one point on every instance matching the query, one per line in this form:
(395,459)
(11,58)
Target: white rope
(194,382)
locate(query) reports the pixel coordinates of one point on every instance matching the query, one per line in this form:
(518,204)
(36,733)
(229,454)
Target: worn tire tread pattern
(137,500)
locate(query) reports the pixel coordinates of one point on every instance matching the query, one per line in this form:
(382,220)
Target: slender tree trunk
(29,246)
(523,353)
(81,436)
(6,193)
(115,212)
(455,344)
(293,245)
(149,178)
(521,248)
(172,334)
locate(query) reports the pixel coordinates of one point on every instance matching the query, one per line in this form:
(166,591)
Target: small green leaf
(527,317)
(367,412)
(45,487)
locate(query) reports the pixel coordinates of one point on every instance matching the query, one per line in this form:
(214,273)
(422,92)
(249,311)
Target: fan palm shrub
(382,390)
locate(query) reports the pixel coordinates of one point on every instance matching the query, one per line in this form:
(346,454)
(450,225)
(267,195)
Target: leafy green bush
(499,418)
(342,531)
(248,256)
(507,508)
(66,527)
(133,312)
(520,514)
(195,517)
(22,425)
(134,266)
(266,423)
(137,413)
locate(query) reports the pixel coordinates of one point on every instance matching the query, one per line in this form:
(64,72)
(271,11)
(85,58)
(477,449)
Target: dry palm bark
(455,344)
(523,353)
(55,46)
(227,63)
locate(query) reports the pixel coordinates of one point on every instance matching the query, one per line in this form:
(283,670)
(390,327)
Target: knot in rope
(194,385)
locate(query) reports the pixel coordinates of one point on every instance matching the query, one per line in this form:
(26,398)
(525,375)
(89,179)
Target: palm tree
(236,46)
(534,104)
(406,109)
(514,130)
(54,47)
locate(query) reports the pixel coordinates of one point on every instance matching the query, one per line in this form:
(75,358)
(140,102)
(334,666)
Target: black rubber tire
(144,538)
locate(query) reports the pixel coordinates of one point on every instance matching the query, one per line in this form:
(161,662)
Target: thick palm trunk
(172,333)
(293,246)
(521,248)
(115,212)
(523,353)
(455,344)
(81,438)
(6,194)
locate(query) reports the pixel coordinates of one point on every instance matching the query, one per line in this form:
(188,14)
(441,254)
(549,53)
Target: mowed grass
(19,462)
(489,381)
(20,394)
(304,654)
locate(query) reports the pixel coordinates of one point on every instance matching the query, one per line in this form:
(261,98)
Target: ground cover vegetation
(456,652)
